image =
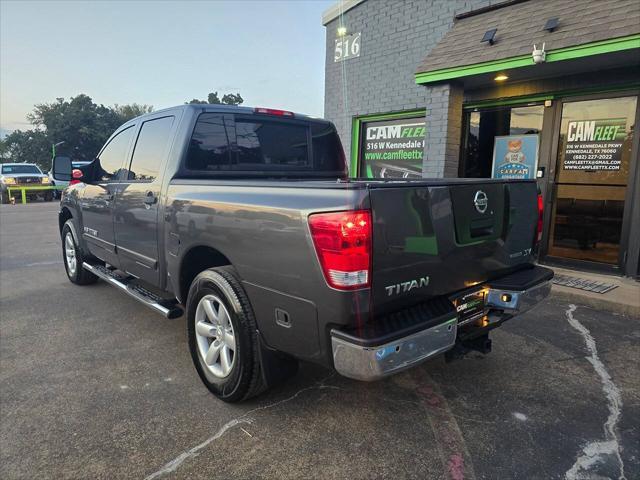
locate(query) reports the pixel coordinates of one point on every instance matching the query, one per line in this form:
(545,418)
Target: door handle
(150,199)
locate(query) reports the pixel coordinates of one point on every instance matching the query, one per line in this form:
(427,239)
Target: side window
(113,156)
(209,145)
(151,146)
(271,143)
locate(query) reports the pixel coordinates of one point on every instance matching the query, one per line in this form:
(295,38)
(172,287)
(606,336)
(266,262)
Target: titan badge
(404,287)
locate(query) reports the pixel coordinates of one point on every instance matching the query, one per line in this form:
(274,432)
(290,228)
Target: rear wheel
(222,335)
(73,258)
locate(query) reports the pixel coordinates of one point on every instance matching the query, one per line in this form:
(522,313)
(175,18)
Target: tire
(48,196)
(242,379)
(76,273)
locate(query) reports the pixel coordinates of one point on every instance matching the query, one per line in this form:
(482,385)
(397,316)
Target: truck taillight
(76,176)
(540,214)
(343,244)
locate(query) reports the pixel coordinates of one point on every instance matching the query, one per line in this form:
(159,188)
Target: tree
(132,110)
(213,99)
(4,151)
(231,99)
(31,146)
(81,124)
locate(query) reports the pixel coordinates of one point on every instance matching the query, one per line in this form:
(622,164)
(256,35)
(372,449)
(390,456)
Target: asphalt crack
(594,453)
(245,418)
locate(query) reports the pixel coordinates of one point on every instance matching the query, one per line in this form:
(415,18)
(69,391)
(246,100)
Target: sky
(161,53)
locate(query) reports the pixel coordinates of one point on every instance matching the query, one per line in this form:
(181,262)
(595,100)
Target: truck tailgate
(431,240)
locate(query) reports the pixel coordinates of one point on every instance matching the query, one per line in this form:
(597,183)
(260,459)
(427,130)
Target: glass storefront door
(593,164)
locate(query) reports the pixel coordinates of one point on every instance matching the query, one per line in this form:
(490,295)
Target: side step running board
(167,308)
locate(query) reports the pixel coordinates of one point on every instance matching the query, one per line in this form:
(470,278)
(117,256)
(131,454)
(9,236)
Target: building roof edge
(340,7)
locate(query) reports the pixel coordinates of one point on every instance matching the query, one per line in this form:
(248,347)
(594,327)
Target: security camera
(539,55)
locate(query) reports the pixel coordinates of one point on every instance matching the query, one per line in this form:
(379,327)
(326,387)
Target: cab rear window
(257,143)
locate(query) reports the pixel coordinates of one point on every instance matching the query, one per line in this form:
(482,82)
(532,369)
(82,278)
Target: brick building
(435,88)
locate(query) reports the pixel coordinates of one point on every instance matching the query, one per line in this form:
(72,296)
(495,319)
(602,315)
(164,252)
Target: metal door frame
(629,233)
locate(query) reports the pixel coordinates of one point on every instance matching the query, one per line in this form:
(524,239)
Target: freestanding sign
(594,144)
(515,156)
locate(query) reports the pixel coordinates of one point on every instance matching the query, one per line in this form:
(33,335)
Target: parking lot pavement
(94,385)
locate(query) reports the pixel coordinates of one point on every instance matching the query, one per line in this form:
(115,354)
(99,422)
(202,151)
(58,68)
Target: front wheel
(222,335)
(73,258)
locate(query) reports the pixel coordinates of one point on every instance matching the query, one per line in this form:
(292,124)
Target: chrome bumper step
(366,361)
(167,308)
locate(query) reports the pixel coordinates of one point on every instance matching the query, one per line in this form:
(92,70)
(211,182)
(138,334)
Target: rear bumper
(516,302)
(359,359)
(375,362)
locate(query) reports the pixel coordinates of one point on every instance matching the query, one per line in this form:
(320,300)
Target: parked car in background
(14,175)
(63,183)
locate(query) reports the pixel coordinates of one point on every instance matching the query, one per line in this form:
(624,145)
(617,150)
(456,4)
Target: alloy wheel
(215,336)
(70,254)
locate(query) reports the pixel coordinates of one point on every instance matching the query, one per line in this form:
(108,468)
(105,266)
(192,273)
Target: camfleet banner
(393,148)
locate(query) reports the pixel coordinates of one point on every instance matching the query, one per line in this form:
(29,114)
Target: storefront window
(483,126)
(392,148)
(594,159)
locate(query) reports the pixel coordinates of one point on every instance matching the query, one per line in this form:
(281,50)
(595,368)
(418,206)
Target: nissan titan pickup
(246,222)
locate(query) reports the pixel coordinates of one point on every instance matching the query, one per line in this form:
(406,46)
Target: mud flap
(276,366)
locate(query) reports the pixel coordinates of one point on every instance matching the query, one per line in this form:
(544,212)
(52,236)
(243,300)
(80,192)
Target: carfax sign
(515,156)
(594,144)
(393,148)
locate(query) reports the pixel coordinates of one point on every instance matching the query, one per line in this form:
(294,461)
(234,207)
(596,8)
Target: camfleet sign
(393,148)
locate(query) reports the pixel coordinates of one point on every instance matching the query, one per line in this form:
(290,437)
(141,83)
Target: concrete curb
(589,299)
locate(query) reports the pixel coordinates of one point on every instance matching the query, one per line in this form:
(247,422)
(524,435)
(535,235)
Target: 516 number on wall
(347,47)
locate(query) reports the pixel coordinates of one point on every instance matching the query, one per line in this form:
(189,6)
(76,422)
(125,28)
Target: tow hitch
(480,344)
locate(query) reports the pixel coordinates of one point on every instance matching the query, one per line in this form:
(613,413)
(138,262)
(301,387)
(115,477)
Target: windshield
(21,169)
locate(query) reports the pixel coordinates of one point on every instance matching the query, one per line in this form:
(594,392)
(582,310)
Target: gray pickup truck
(245,219)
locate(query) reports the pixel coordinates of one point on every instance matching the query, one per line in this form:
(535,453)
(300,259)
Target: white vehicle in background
(17,176)
(61,183)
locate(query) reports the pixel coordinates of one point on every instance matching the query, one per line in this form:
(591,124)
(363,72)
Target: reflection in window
(594,160)
(327,150)
(150,149)
(271,143)
(209,146)
(483,126)
(112,158)
(251,143)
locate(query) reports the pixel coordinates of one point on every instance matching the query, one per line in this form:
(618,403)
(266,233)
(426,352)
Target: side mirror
(61,169)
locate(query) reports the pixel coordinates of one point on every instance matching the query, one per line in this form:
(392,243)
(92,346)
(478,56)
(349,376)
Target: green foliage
(81,124)
(31,146)
(231,99)
(214,99)
(132,110)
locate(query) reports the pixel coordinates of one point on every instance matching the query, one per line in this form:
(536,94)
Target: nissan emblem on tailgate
(480,200)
